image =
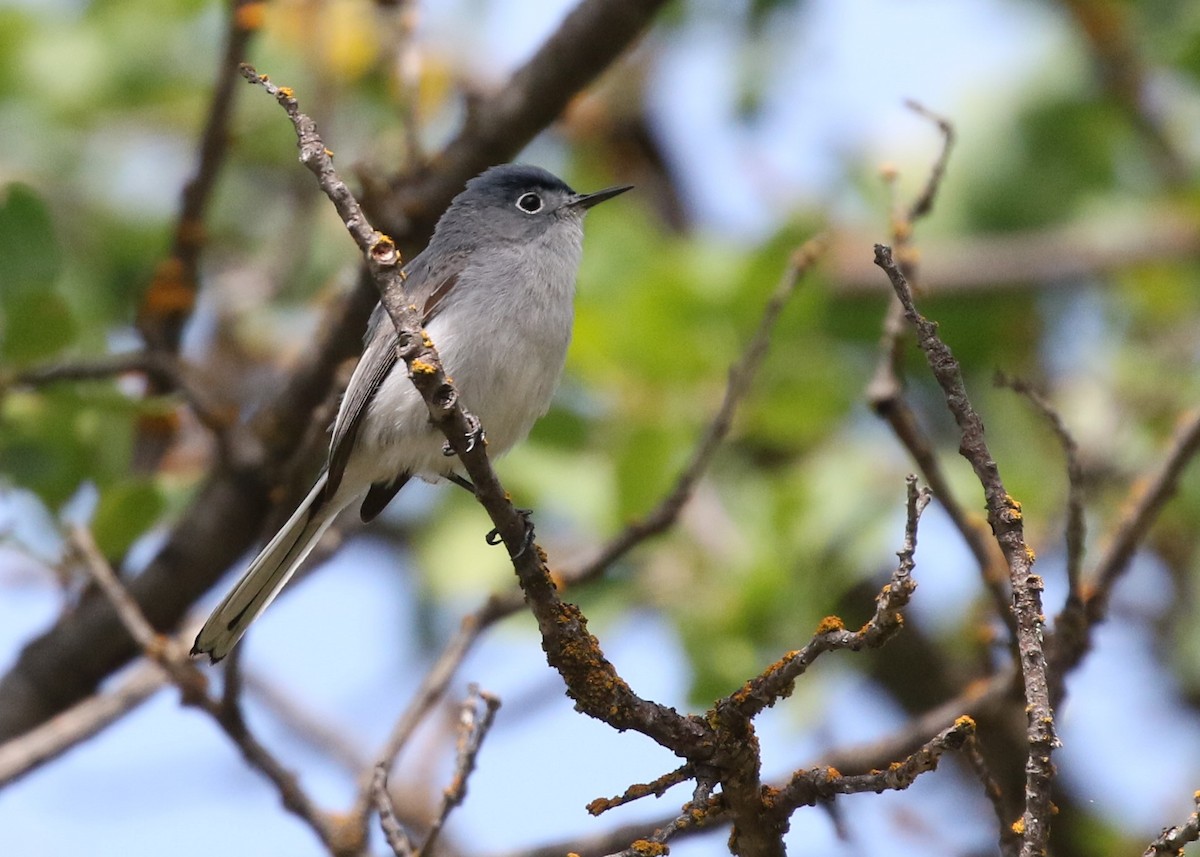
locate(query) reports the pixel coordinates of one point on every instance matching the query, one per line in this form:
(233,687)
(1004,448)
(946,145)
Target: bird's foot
(493,537)
(474,436)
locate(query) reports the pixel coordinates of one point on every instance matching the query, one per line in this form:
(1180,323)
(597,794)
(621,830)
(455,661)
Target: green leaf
(35,321)
(126,510)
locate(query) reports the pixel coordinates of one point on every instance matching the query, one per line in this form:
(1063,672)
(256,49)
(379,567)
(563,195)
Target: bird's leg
(474,435)
(493,536)
(461,482)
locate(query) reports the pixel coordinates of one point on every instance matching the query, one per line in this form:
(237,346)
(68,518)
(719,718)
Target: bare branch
(476,716)
(923,204)
(168,301)
(1004,515)
(885,391)
(808,786)
(171,655)
(1146,500)
(1010,842)
(778,680)
(77,724)
(1172,840)
(657,787)
(393,831)
(1048,258)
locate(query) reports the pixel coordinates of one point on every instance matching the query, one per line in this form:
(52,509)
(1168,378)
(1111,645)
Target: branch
(477,713)
(779,679)
(808,786)
(1056,257)
(47,742)
(163,370)
(169,300)
(171,655)
(1145,502)
(1172,840)
(885,391)
(1004,515)
(498,126)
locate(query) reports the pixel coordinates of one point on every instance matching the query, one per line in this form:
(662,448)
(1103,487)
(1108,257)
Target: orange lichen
(250,16)
(287,92)
(1018,826)
(965,723)
(830,624)
(171,290)
(420,367)
(646,848)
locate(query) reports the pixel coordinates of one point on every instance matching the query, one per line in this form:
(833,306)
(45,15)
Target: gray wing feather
(426,288)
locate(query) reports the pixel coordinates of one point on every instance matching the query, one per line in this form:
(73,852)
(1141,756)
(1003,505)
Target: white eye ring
(530,203)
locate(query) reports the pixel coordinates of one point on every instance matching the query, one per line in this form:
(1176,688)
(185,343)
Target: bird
(495,288)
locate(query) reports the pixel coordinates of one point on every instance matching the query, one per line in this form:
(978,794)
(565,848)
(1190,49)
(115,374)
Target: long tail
(267,574)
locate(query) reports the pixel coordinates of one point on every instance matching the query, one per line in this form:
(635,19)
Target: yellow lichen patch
(1030,555)
(1018,826)
(328,153)
(830,624)
(287,92)
(420,367)
(965,723)
(832,773)
(646,848)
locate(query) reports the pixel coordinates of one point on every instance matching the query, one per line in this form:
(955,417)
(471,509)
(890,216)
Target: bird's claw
(494,538)
(474,436)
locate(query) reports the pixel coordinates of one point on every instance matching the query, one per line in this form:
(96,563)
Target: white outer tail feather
(267,574)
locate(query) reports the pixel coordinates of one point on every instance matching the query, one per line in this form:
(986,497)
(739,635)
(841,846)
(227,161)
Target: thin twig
(885,391)
(393,831)
(831,635)
(331,739)
(169,300)
(165,371)
(1010,842)
(476,716)
(1004,515)
(171,655)
(1146,500)
(1172,840)
(808,786)
(923,204)
(657,787)
(1076,530)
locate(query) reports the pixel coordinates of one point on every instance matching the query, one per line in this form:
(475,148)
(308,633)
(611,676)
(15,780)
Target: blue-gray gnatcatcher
(496,288)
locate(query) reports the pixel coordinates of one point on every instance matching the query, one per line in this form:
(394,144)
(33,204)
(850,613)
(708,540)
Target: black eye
(530,203)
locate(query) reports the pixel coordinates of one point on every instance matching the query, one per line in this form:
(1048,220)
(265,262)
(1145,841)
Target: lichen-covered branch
(1004,515)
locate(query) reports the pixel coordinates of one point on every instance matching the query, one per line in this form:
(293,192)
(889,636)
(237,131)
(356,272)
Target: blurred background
(1063,249)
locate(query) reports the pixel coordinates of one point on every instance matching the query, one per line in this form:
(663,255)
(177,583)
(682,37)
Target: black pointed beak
(587,200)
